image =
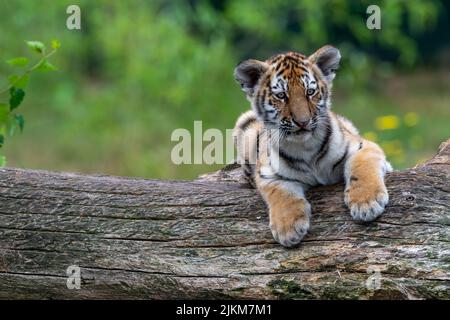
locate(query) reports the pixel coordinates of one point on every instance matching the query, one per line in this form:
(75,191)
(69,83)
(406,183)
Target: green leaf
(20,121)
(4,113)
(11,126)
(12,79)
(2,161)
(37,46)
(55,44)
(23,81)
(19,82)
(18,62)
(44,65)
(2,140)
(16,97)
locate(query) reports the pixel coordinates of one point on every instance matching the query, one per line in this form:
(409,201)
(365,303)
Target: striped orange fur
(290,140)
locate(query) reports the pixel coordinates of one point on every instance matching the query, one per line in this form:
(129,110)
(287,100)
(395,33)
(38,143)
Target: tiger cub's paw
(366,203)
(291,225)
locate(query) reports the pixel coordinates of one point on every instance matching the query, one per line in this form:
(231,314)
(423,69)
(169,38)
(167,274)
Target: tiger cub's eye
(280,95)
(310,92)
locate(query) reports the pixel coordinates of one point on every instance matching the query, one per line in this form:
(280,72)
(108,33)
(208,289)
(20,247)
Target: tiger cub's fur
(291,141)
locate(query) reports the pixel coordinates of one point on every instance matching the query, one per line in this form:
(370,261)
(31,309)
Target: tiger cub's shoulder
(346,125)
(245,120)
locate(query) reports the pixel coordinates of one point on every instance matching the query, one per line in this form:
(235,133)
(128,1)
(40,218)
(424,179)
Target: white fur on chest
(306,168)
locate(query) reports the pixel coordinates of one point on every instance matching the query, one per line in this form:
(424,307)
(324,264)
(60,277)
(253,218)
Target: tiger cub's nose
(301,123)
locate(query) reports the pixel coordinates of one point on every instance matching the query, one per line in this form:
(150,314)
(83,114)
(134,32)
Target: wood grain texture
(209,238)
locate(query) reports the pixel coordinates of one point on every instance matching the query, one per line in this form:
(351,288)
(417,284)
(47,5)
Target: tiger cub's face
(290,91)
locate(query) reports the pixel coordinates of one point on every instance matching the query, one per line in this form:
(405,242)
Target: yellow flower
(55,44)
(411,119)
(370,135)
(387,122)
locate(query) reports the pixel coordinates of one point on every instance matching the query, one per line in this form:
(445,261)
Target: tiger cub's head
(290,91)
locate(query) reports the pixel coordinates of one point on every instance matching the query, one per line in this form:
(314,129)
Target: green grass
(137,71)
(96,134)
(423,93)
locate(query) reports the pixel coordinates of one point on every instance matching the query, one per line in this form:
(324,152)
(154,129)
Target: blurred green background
(137,70)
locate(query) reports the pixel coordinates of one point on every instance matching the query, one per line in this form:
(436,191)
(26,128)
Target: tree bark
(209,238)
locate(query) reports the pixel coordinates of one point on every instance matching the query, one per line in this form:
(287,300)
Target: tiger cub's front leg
(289,211)
(365,192)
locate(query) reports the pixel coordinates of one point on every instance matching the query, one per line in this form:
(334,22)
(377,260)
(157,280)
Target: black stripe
(257,95)
(261,104)
(360,145)
(248,168)
(279,176)
(247,123)
(303,68)
(341,159)
(248,171)
(257,145)
(279,73)
(276,58)
(291,59)
(288,157)
(250,176)
(293,162)
(278,68)
(324,146)
(260,100)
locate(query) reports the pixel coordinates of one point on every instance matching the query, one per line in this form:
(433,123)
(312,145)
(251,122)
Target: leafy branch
(9,119)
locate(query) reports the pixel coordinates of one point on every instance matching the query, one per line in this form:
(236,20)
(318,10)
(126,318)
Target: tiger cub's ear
(247,74)
(327,59)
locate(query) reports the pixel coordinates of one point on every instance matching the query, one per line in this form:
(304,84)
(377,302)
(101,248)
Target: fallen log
(209,238)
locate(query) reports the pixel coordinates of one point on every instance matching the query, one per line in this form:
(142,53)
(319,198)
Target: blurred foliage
(137,70)
(10,120)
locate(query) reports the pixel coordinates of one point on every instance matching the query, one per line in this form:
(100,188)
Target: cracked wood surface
(209,238)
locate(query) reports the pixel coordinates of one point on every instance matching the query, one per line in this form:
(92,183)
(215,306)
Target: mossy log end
(209,238)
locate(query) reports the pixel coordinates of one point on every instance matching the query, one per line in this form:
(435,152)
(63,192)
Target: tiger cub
(291,141)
